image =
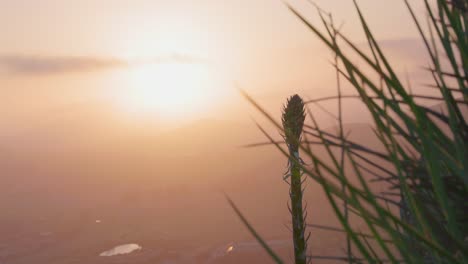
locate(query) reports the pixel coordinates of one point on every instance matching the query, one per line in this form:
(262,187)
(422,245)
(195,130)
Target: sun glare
(169,89)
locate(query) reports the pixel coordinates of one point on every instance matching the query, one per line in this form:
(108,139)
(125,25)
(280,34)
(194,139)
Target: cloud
(409,50)
(410,58)
(35,65)
(170,58)
(47,65)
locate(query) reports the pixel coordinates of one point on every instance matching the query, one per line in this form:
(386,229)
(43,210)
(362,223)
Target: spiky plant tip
(293,121)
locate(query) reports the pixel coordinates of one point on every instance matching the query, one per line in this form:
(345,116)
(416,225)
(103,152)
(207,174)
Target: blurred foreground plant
(424,217)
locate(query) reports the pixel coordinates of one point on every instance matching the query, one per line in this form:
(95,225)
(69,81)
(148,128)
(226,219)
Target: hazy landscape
(171,204)
(85,194)
(125,127)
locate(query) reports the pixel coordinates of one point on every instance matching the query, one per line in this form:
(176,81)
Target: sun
(169,90)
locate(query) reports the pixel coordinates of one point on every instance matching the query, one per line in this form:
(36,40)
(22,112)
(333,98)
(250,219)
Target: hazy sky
(59,53)
(148,27)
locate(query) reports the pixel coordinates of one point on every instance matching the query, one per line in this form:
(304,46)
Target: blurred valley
(75,188)
(85,184)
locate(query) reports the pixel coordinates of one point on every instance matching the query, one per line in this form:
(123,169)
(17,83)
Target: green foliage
(427,149)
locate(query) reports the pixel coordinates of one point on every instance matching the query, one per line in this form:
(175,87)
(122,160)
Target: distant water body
(120,250)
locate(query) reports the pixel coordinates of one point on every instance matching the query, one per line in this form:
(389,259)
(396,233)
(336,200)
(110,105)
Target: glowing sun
(169,89)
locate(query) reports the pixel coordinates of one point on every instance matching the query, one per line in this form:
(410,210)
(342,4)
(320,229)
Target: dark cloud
(46,65)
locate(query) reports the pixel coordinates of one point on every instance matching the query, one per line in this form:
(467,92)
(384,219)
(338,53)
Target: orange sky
(128,111)
(57,54)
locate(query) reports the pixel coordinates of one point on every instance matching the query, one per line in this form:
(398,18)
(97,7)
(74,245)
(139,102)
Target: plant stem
(293,123)
(297,210)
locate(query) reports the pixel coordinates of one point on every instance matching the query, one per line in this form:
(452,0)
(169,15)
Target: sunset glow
(168,89)
(193,132)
